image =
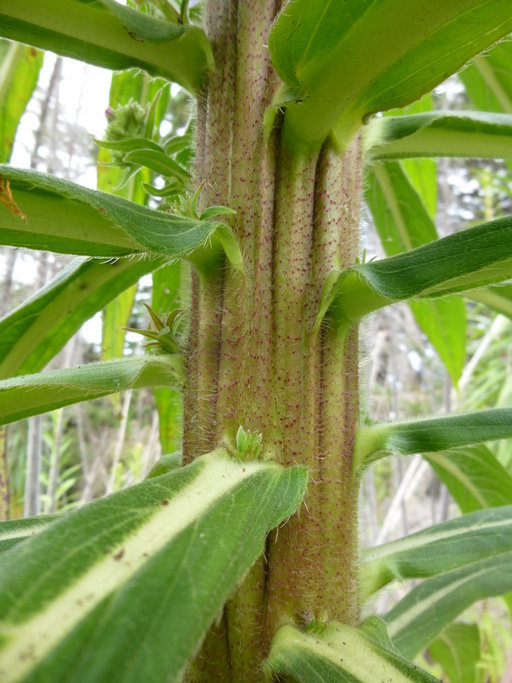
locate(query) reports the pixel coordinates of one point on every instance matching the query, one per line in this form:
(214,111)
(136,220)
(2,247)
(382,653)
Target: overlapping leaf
(437,434)
(343,61)
(19,530)
(108,34)
(462,261)
(428,608)
(473,476)
(439,549)
(41,212)
(125,588)
(403,222)
(340,653)
(34,332)
(440,134)
(28,395)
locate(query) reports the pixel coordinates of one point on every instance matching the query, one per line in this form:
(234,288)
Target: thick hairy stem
(293,551)
(335,246)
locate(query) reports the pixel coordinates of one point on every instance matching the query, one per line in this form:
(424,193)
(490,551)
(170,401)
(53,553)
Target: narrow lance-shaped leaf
(19,71)
(437,434)
(341,653)
(34,332)
(473,476)
(459,262)
(403,223)
(41,212)
(488,79)
(428,608)
(438,549)
(167,295)
(439,134)
(126,588)
(340,64)
(108,34)
(457,650)
(21,397)
(18,530)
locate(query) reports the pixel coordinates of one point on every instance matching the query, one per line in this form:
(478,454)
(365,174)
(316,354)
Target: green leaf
(115,318)
(19,71)
(346,60)
(129,145)
(459,262)
(34,332)
(488,79)
(440,134)
(497,297)
(18,530)
(21,397)
(457,650)
(438,549)
(437,434)
(473,476)
(403,223)
(168,283)
(428,608)
(157,162)
(125,589)
(338,653)
(107,34)
(49,213)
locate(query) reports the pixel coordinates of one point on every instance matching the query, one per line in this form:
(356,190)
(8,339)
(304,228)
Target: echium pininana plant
(193,574)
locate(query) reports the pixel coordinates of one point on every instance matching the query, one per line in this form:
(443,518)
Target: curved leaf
(428,608)
(457,650)
(440,134)
(126,588)
(473,476)
(438,549)
(339,653)
(41,212)
(346,60)
(19,71)
(34,332)
(21,397)
(459,262)
(403,222)
(18,530)
(437,434)
(108,34)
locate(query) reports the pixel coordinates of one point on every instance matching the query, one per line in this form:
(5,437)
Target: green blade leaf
(18,530)
(457,650)
(497,297)
(342,65)
(438,549)
(168,283)
(21,397)
(157,162)
(488,79)
(48,213)
(126,588)
(440,134)
(33,333)
(473,476)
(107,34)
(339,653)
(115,318)
(437,434)
(19,71)
(459,262)
(428,608)
(403,223)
